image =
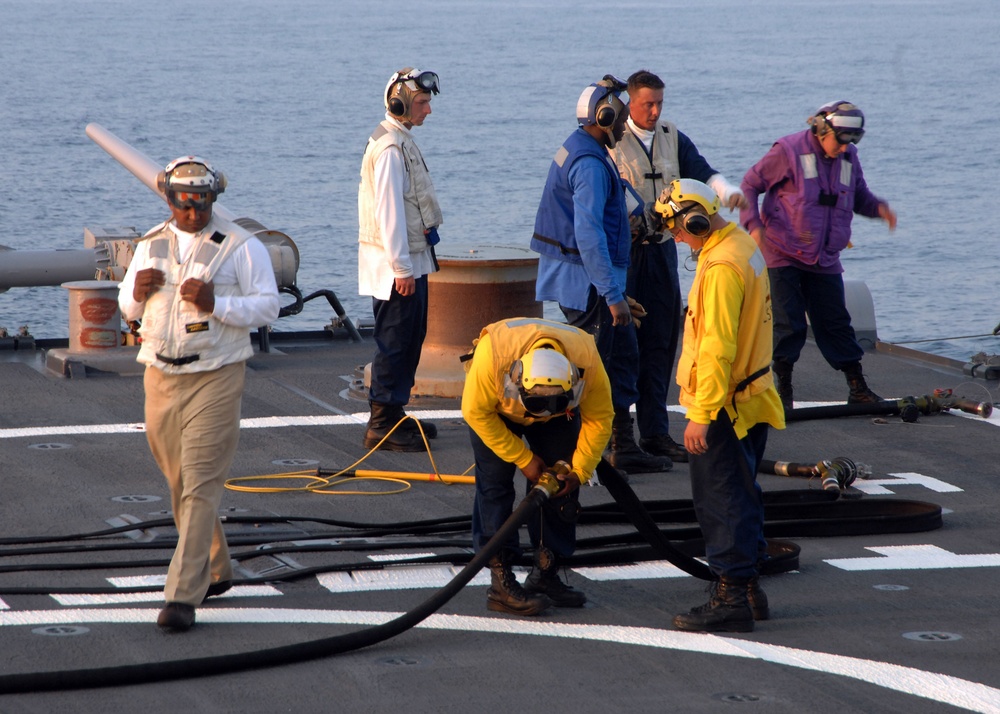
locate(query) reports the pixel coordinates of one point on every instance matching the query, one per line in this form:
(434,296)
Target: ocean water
(282,96)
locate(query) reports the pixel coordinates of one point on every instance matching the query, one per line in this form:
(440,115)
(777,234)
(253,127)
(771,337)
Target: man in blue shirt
(583,236)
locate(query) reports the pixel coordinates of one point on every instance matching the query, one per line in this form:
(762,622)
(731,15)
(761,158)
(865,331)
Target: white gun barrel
(138,164)
(30,268)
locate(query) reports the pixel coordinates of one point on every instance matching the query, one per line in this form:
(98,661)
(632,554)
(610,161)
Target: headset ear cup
(161,182)
(606,116)
(516,370)
(396,107)
(697,224)
(221,182)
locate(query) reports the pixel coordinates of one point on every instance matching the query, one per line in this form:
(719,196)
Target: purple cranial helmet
(844,119)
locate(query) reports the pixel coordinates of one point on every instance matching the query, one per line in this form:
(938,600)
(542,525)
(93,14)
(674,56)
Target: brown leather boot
(544,579)
(860,393)
(727,609)
(663,445)
(758,600)
(383,418)
(506,594)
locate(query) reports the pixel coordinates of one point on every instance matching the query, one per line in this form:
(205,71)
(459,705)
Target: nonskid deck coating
(915,634)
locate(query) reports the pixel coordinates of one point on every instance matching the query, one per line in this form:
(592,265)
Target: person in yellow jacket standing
(543,382)
(726,386)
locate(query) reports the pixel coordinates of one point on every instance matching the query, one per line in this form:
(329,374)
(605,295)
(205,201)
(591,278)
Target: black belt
(744,383)
(562,249)
(178,361)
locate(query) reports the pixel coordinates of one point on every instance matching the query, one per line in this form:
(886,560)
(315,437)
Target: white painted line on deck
(396,578)
(942,688)
(405,577)
(77,600)
(275,422)
(156,580)
(651,570)
(358,418)
(877,486)
(916,557)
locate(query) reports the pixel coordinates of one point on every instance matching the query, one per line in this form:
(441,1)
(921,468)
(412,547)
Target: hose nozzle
(549,482)
(944,399)
(839,473)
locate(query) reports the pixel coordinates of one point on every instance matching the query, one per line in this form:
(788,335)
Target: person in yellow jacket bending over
(726,385)
(543,382)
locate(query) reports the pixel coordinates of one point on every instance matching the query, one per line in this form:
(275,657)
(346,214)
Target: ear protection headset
(695,218)
(842,118)
(601,104)
(213,181)
(607,111)
(398,96)
(396,104)
(695,221)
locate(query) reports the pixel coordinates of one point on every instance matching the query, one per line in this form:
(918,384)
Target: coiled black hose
(288,654)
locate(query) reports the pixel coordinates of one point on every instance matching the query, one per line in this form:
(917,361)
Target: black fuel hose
(625,497)
(811,513)
(909,409)
(288,654)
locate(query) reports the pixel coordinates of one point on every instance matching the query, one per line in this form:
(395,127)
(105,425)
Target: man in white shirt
(199,284)
(398,215)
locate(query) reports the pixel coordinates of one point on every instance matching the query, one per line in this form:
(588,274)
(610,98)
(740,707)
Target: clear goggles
(425,81)
(191,199)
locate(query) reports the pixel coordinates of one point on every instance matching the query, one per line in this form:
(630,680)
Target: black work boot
(663,445)
(860,393)
(727,609)
(757,599)
(506,594)
(383,418)
(783,382)
(544,579)
(625,455)
(430,429)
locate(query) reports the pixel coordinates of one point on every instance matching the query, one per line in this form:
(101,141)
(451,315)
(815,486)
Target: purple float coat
(809,201)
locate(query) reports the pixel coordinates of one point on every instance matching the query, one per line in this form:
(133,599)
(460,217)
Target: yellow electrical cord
(328,485)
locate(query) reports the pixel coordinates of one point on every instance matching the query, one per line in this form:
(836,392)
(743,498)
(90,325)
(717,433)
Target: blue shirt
(568,283)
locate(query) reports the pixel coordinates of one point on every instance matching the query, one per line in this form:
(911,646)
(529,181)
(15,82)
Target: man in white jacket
(650,155)
(398,214)
(199,284)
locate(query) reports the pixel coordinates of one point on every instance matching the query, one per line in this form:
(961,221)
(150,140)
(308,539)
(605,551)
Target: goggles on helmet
(191,199)
(543,405)
(848,136)
(615,84)
(614,89)
(848,128)
(425,81)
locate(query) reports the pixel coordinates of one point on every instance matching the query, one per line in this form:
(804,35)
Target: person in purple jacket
(813,185)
